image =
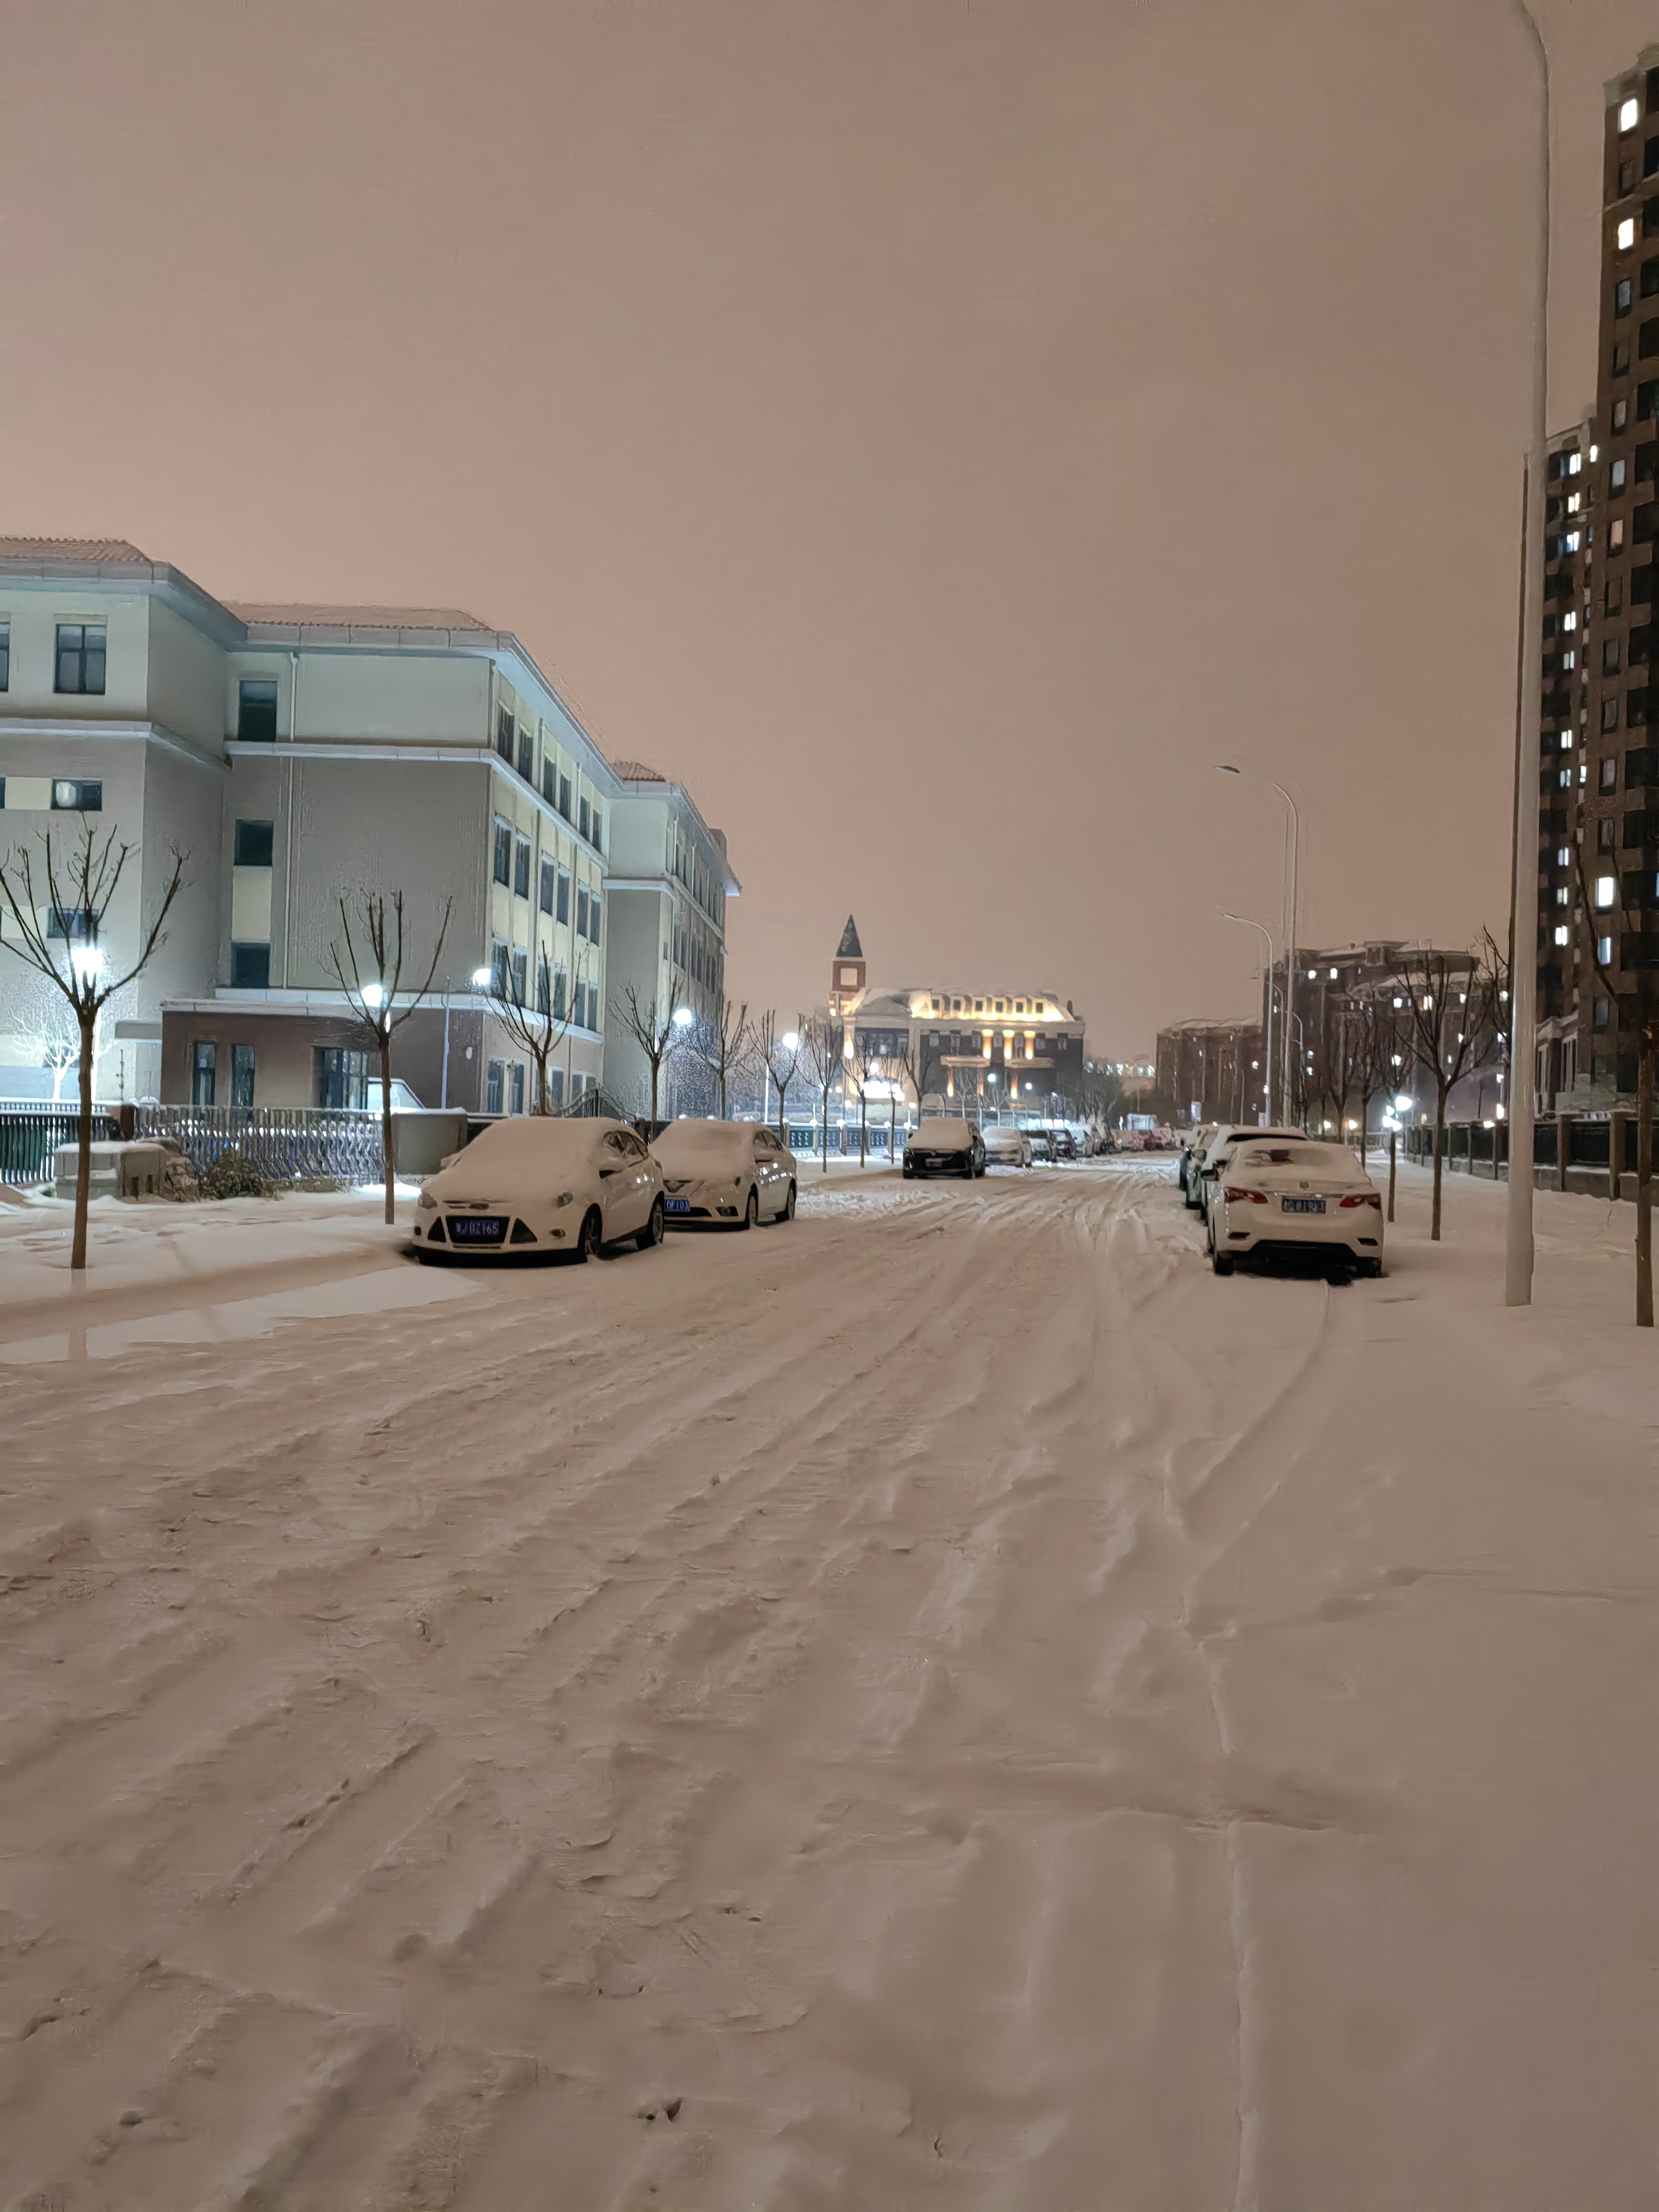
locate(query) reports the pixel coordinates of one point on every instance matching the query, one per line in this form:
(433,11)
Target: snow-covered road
(942,1704)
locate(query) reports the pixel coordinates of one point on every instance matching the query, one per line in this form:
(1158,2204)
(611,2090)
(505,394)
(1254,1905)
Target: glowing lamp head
(373,996)
(87,963)
(790,1040)
(482,978)
(683,1017)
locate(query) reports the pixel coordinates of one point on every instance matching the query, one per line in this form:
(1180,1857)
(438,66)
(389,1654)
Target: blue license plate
(677,1205)
(1302,1204)
(476,1228)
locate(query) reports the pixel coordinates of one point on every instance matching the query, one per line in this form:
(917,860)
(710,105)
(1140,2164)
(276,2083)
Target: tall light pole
(1267,1043)
(1523,951)
(1288,1101)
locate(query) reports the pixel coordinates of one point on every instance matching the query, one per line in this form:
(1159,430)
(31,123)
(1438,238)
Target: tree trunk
(1439,1156)
(83,1161)
(783,1139)
(1393,1138)
(826,1132)
(1645,1182)
(385,1128)
(864,1116)
(656,1072)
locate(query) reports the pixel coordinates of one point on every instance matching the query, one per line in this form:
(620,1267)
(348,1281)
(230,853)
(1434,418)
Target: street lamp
(683,1017)
(790,1040)
(1225,767)
(87,961)
(482,978)
(374,996)
(1268,1046)
(1524,906)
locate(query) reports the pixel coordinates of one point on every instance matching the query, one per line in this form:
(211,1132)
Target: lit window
(1615,533)
(1569,543)
(1313,974)
(1568,621)
(1574,501)
(1616,477)
(1605,888)
(1562,895)
(1562,934)
(1333,975)
(1400,1002)
(1604,951)
(1566,741)
(1563,855)
(1626,234)
(1576,461)
(1628,112)
(1569,661)
(1592,452)
(1566,778)
(1583,771)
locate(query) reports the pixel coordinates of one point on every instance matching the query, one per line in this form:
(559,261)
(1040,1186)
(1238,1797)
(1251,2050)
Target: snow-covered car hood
(940,1137)
(533,1153)
(1004,1141)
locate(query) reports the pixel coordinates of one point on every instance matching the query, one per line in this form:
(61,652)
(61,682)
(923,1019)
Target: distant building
(1210,1071)
(1019,1052)
(300,756)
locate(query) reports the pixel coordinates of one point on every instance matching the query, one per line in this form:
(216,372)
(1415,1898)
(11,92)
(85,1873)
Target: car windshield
(942,1136)
(690,1148)
(1301,1160)
(533,1144)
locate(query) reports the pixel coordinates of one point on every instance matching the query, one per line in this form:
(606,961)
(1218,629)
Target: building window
(69,797)
(581,910)
(493,1086)
(1613,599)
(242,1075)
(1616,478)
(342,1077)
(203,1070)
(1626,233)
(1621,359)
(563,913)
(1636,710)
(522,868)
(1609,714)
(1650,158)
(549,885)
(1563,934)
(5,656)
(1609,656)
(526,756)
(520,977)
(503,864)
(1616,534)
(1604,951)
(1600,1013)
(1621,414)
(555,1088)
(1606,888)
(1609,781)
(596,824)
(564,797)
(1628,112)
(1562,895)
(504,733)
(559,980)
(1621,292)
(255,710)
(1604,834)
(582,814)
(498,967)
(250,967)
(593,918)
(80,657)
(518,1086)
(549,782)
(543,990)
(253,844)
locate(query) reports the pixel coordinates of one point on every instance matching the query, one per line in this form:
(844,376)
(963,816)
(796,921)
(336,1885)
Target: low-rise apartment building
(1210,1071)
(301,757)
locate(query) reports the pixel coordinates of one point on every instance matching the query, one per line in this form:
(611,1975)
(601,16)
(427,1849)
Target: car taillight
(1235,1193)
(1365,1198)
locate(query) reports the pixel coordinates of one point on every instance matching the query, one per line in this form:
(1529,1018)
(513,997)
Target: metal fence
(286,1144)
(29,1135)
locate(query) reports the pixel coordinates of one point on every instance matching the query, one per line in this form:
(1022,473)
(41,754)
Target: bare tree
(653,1029)
(1631,983)
(1371,1054)
(79,886)
(920,1064)
(1451,1001)
(373,981)
(964,1082)
(723,1042)
(864,1066)
(536,1029)
(820,1063)
(780,1053)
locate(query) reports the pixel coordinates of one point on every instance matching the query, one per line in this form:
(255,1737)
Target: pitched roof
(849,948)
(95,550)
(632,771)
(322,617)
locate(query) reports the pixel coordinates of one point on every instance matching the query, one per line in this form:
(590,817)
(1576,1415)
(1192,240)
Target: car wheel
(655,1229)
(751,1211)
(589,1237)
(787,1212)
(1222,1262)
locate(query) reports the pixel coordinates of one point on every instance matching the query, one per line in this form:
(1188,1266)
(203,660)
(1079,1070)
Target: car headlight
(564,1197)
(426,1205)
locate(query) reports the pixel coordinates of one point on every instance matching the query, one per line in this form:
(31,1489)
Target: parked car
(734,1172)
(1308,1200)
(1064,1144)
(1007,1148)
(1042,1147)
(945,1148)
(1219,1151)
(1192,1154)
(538,1182)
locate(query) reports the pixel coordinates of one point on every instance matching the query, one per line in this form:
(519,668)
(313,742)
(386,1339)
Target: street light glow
(790,1039)
(88,962)
(373,995)
(683,1017)
(482,978)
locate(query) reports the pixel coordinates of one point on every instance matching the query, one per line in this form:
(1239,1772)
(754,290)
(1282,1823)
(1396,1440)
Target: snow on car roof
(1301,1158)
(694,1137)
(944,1136)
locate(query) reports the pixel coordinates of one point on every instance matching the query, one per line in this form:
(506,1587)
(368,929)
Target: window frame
(83,655)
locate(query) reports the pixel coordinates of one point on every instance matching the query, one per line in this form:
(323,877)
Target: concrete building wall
(369,697)
(636,921)
(34,609)
(187,677)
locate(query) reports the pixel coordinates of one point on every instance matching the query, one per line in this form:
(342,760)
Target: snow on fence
(29,1135)
(287,1144)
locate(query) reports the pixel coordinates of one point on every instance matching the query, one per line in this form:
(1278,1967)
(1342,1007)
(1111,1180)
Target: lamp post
(1523,947)
(1267,1043)
(1226,768)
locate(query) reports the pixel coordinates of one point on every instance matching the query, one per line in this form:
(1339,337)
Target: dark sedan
(945,1148)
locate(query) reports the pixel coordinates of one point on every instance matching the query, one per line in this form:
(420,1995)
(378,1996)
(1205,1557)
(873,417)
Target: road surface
(941,1705)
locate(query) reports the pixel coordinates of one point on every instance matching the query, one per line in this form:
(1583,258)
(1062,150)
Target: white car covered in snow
(1276,1199)
(540,1184)
(1007,1148)
(735,1172)
(1224,1139)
